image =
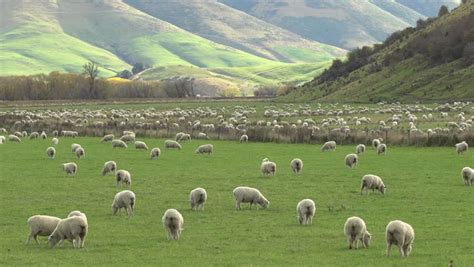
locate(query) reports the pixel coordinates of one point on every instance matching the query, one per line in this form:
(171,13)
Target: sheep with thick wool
(296,165)
(109,167)
(197,198)
(14,138)
(328,146)
(373,182)
(51,152)
(468,175)
(244,138)
(400,234)
(172,144)
(351,160)
(70,168)
(306,210)
(80,153)
(41,225)
(155,153)
(140,145)
(355,230)
(462,147)
(173,223)
(268,167)
(123,177)
(381,149)
(73,228)
(119,143)
(244,194)
(360,149)
(205,149)
(107,138)
(124,200)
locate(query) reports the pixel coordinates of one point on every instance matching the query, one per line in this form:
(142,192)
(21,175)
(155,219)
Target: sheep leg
(400,248)
(389,248)
(237,205)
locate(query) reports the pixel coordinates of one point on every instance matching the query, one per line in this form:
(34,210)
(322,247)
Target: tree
(125,74)
(91,71)
(138,67)
(231,91)
(443,10)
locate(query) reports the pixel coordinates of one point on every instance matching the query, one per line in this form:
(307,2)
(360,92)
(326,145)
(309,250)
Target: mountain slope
(222,24)
(429,8)
(433,62)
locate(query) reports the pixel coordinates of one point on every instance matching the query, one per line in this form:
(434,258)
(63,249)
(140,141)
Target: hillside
(432,62)
(347,24)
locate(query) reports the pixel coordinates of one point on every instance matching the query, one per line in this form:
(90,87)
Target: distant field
(424,188)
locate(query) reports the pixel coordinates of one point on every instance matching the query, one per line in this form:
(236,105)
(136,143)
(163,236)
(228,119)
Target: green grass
(424,188)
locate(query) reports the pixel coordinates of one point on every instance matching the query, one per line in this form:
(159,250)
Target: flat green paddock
(424,188)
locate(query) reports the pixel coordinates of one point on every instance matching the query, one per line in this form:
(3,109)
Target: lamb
(360,148)
(351,160)
(74,147)
(381,149)
(296,165)
(55,141)
(140,145)
(373,182)
(70,168)
(119,143)
(14,138)
(244,138)
(197,198)
(268,167)
(207,148)
(155,153)
(124,199)
(376,142)
(244,194)
(401,234)
(306,210)
(109,167)
(173,223)
(328,146)
(355,231)
(107,138)
(73,228)
(124,177)
(50,151)
(462,147)
(41,225)
(468,175)
(80,153)
(172,144)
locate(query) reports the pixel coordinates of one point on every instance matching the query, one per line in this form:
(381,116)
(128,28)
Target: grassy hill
(432,62)
(428,8)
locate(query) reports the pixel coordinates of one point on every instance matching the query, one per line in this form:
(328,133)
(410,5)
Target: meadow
(424,188)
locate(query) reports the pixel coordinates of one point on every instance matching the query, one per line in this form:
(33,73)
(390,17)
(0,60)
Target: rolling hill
(434,61)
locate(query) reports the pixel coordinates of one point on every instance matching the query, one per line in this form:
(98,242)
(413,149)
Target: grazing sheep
(468,175)
(73,228)
(173,223)
(462,147)
(184,137)
(197,198)
(202,136)
(107,138)
(155,153)
(376,142)
(55,133)
(306,210)
(2,139)
(119,143)
(207,148)
(41,225)
(70,168)
(373,182)
(14,138)
(244,138)
(172,144)
(244,194)
(381,149)
(44,135)
(128,138)
(109,167)
(80,153)
(296,165)
(360,148)
(124,199)
(400,234)
(55,141)
(77,213)
(34,135)
(329,146)
(74,147)
(178,136)
(50,151)
(268,167)
(140,145)
(124,177)
(355,231)
(351,160)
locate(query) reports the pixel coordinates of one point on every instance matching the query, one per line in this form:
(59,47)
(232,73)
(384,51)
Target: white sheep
(400,234)
(355,231)
(244,194)
(51,152)
(178,136)
(185,137)
(107,138)
(70,168)
(306,210)
(124,199)
(128,138)
(468,175)
(34,135)
(119,143)
(124,177)
(268,167)
(74,147)
(173,223)
(172,144)
(140,145)
(14,138)
(244,138)
(80,153)
(197,198)
(73,228)
(462,147)
(296,165)
(376,142)
(329,146)
(373,182)
(77,213)
(155,153)
(360,149)
(41,225)
(55,141)
(381,149)
(44,135)
(207,148)
(351,160)
(109,167)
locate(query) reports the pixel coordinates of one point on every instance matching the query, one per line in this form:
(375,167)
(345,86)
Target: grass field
(424,188)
